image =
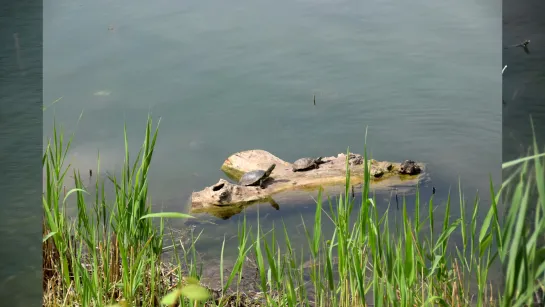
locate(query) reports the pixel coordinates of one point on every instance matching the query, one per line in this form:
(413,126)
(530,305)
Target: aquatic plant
(107,252)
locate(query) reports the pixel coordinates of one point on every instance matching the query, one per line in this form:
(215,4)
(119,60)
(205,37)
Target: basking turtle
(409,167)
(304,164)
(256,177)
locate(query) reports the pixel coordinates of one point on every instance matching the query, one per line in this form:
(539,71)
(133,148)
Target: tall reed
(110,251)
(415,263)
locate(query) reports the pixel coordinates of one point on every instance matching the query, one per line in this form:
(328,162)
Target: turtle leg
(261,181)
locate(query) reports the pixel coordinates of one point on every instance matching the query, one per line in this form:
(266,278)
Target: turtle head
(270,169)
(319,159)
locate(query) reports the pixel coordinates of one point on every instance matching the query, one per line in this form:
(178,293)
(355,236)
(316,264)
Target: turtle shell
(251,177)
(303,163)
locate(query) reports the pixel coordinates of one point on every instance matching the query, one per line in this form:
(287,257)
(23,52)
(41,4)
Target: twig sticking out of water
(314,99)
(504,67)
(523,45)
(18,51)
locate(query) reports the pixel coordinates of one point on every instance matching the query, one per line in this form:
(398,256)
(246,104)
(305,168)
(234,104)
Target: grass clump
(108,253)
(111,253)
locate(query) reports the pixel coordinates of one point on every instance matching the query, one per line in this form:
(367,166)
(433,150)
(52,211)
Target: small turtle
(409,167)
(356,160)
(256,177)
(304,164)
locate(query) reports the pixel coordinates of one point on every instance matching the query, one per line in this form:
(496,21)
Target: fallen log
(230,198)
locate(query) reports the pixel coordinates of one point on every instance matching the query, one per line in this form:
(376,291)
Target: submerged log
(330,172)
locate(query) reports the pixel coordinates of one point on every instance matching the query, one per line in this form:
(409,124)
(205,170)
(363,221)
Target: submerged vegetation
(110,252)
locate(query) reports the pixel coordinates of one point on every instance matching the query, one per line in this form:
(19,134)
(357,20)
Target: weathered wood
(331,172)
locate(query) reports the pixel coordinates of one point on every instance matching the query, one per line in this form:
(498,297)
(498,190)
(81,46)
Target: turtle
(304,164)
(409,167)
(256,177)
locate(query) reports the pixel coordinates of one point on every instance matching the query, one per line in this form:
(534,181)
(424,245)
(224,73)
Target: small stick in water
(90,173)
(274,204)
(524,46)
(433,190)
(352,191)
(314,99)
(18,50)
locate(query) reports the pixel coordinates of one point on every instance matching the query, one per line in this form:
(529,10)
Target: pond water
(523,79)
(423,77)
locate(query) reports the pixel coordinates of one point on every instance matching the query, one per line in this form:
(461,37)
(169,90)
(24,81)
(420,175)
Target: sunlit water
(424,77)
